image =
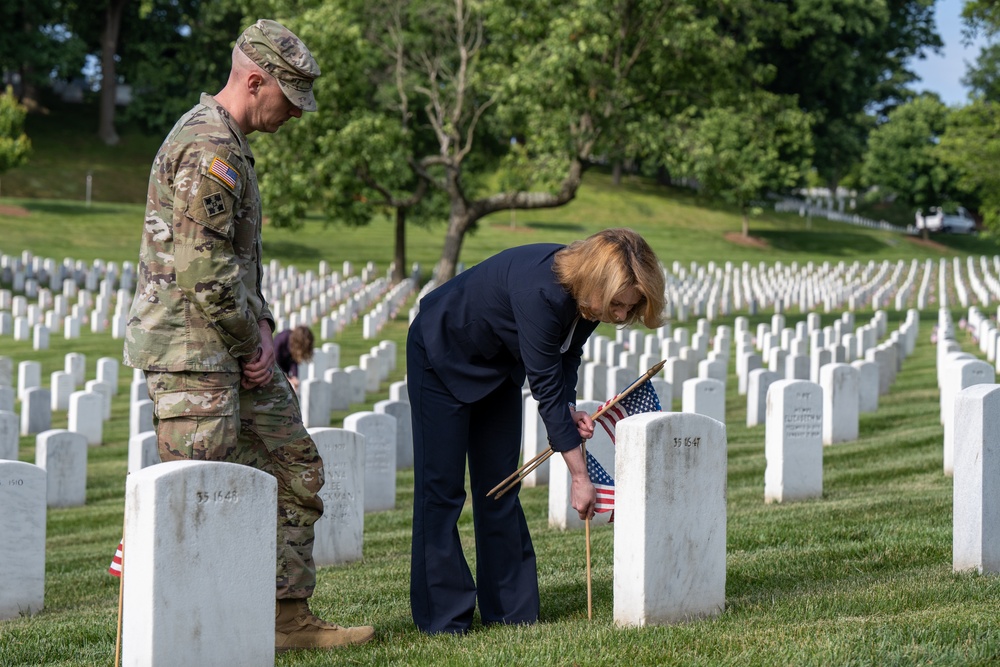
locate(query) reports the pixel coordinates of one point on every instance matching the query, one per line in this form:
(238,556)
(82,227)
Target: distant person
(291,348)
(200,327)
(524,312)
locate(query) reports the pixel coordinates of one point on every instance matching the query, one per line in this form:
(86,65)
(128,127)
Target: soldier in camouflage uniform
(200,326)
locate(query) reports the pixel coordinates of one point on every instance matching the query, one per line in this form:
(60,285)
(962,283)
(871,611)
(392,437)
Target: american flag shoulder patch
(224,172)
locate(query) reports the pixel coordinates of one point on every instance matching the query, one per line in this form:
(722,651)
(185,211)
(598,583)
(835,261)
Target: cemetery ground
(861,576)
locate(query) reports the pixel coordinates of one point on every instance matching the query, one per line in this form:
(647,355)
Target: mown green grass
(860,577)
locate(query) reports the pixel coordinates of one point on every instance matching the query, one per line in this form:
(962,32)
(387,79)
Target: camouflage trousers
(207,416)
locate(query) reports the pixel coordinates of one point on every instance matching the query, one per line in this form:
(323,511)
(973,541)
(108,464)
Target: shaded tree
(844,60)
(15,147)
(36,45)
(902,157)
(970,146)
(743,153)
(573,82)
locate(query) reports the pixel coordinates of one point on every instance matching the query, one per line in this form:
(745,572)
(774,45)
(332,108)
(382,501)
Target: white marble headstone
(535,441)
(142,450)
(840,383)
(85,415)
(704,396)
(9,435)
(404,429)
(793,441)
(380,457)
(63,456)
(670,519)
(199,562)
(976,495)
(340,531)
(22,547)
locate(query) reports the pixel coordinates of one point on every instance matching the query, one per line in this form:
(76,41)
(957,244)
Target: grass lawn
(860,577)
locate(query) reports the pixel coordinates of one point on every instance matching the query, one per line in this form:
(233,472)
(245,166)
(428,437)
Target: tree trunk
(29,91)
(458,222)
(399,256)
(746,223)
(616,173)
(109,78)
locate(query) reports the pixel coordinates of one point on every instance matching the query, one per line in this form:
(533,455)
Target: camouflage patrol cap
(281,54)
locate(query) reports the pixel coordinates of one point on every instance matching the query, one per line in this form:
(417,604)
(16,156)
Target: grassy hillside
(677,224)
(42,209)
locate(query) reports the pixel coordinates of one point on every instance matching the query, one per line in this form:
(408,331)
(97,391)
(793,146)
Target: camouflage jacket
(198,294)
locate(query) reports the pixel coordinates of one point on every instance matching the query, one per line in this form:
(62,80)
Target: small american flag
(116,563)
(603,483)
(223,171)
(641,399)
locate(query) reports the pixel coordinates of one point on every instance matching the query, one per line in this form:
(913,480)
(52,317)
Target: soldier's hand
(257,372)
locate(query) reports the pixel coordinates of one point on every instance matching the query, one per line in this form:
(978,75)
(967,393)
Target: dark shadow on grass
(291,251)
(69,208)
(555,226)
(840,243)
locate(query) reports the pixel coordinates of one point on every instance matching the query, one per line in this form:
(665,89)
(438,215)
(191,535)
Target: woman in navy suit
(523,313)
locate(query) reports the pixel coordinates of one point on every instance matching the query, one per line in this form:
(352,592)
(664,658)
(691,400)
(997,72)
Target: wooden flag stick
(514,478)
(520,472)
(524,472)
(121,588)
(590,580)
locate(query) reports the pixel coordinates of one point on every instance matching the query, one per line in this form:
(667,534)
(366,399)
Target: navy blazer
(508,316)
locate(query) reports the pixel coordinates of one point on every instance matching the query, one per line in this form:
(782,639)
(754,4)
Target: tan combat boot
(295,627)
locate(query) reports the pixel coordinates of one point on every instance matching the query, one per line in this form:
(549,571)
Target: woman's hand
(583,495)
(584,424)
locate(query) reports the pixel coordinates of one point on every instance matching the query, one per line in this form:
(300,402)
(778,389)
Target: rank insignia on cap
(214,204)
(224,172)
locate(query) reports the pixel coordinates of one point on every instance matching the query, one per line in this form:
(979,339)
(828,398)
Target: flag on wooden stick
(115,570)
(603,483)
(641,399)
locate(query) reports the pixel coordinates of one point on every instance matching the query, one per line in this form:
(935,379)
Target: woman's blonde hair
(598,268)
(300,344)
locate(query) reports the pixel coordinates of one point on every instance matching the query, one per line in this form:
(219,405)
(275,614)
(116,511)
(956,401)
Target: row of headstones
(364,455)
(360,463)
(970,414)
(827,412)
(801,416)
(29,274)
(876,364)
(387,309)
(669,563)
(26,321)
(792,352)
(87,409)
(715,291)
(958,370)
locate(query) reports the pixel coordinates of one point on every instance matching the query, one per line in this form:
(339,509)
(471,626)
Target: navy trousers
(446,434)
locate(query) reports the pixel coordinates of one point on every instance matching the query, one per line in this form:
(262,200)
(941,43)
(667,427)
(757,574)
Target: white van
(960,222)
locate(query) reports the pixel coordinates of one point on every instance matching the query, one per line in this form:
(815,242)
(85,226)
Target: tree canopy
(456,109)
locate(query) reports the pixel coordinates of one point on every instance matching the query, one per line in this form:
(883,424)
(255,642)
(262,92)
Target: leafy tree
(971,146)
(745,152)
(844,60)
(35,45)
(171,51)
(902,157)
(571,82)
(15,147)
